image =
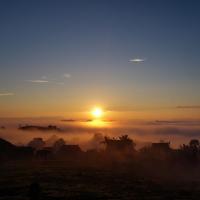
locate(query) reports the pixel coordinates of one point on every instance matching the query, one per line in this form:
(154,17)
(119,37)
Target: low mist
(89,137)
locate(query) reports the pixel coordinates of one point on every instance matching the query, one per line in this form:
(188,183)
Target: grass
(66,180)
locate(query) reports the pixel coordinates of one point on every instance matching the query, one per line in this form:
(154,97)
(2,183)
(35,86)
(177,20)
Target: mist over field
(82,133)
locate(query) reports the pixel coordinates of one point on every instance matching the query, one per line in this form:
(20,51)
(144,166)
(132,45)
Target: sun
(97,112)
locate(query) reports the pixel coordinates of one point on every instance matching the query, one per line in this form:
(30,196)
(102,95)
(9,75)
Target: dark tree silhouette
(124,143)
(58,144)
(36,143)
(194,143)
(191,151)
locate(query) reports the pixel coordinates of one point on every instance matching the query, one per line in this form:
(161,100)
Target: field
(66,180)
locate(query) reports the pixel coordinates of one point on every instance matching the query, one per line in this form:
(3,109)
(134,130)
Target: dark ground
(64,180)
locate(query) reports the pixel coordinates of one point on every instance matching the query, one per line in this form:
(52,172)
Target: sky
(136,59)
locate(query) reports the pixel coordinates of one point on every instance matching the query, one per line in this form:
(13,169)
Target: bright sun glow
(97,112)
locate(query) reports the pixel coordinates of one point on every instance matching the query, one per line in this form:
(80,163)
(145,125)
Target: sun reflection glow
(98,123)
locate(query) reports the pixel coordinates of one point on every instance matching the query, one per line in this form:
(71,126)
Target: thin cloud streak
(176,122)
(6,94)
(137,60)
(189,107)
(44,80)
(37,81)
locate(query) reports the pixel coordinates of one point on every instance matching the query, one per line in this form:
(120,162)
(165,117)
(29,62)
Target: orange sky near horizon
(85,113)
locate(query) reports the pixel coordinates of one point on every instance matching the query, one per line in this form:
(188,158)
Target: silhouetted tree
(194,143)
(96,140)
(124,143)
(36,143)
(58,144)
(191,151)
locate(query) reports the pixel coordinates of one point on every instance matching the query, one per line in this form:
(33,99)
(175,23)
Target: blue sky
(93,42)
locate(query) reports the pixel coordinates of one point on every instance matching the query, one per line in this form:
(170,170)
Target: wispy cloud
(175,122)
(189,107)
(6,94)
(66,75)
(38,81)
(129,108)
(60,83)
(44,77)
(137,60)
